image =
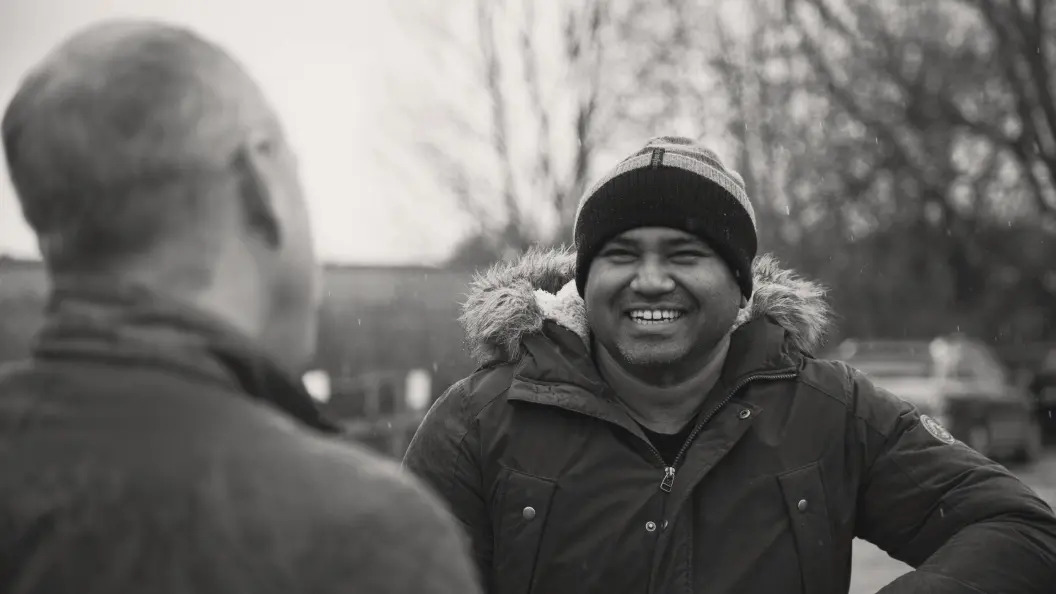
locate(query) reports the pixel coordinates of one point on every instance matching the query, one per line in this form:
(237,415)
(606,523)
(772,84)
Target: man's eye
(687,256)
(619,255)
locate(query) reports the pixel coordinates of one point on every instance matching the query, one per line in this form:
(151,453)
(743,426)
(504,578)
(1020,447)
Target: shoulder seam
(506,388)
(847,400)
(459,389)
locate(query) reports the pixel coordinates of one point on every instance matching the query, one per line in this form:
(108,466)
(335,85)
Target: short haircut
(117,140)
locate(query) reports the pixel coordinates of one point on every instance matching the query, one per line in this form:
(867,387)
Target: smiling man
(648,417)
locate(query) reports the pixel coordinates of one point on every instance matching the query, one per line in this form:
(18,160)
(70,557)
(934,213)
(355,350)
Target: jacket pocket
(804,494)
(520,517)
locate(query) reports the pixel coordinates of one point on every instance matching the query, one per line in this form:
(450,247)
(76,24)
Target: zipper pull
(669,479)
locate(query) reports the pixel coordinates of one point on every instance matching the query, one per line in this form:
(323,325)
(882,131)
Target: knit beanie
(676,183)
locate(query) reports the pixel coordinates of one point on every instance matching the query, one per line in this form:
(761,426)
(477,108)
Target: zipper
(668,481)
(669,471)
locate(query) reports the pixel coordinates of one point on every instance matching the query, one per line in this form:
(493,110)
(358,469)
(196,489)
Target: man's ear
(253,164)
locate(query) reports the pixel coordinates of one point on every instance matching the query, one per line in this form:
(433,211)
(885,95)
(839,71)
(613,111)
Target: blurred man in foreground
(159,440)
(659,424)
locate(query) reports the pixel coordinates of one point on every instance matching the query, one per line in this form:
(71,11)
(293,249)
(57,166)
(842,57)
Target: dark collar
(758,347)
(558,369)
(104,320)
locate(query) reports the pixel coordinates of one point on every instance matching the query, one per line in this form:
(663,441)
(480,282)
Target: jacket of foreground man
(159,440)
(789,459)
(146,448)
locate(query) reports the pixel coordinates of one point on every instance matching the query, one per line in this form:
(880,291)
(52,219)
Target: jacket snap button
(745,413)
(802,505)
(528,513)
(650,526)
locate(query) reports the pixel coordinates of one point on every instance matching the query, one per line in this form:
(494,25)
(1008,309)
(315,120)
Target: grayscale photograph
(528,297)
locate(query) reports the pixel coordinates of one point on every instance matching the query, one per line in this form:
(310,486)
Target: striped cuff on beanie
(674,183)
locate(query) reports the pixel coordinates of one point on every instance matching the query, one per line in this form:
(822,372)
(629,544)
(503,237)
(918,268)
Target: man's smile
(655,316)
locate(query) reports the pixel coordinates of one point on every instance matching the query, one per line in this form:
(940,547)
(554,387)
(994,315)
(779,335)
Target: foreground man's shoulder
(347,465)
(388,525)
(382,491)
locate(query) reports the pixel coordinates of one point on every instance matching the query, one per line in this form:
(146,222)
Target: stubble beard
(657,355)
(654,357)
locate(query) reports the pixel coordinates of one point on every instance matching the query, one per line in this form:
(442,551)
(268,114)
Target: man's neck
(662,408)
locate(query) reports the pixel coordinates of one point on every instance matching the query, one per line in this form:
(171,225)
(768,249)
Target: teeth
(647,316)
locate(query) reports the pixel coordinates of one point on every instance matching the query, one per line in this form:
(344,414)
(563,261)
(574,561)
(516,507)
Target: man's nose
(652,278)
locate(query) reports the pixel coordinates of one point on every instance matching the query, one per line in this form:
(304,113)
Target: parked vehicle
(961,384)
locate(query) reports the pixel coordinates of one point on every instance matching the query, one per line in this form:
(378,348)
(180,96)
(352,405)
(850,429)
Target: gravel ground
(873,569)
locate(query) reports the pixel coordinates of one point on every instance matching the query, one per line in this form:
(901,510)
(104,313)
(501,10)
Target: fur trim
(513,299)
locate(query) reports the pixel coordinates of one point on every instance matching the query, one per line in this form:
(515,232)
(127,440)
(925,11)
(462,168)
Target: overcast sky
(326,65)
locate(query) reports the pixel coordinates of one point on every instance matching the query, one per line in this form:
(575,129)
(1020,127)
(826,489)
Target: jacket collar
(97,318)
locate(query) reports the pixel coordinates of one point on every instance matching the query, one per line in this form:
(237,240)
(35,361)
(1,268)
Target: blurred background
(901,152)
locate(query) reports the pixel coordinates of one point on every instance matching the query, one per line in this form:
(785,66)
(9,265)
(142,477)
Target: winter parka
(790,459)
(148,448)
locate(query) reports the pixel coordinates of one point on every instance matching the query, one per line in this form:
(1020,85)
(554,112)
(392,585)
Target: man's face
(657,296)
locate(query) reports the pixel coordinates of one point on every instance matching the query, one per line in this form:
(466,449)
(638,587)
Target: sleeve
(444,454)
(966,524)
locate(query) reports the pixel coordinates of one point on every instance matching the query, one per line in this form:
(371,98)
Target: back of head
(114,140)
(142,147)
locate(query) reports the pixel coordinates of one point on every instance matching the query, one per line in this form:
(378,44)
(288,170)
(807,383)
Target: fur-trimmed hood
(512,300)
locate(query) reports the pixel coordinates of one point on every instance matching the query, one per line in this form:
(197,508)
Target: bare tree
(1025,35)
(924,186)
(900,150)
(516,143)
(559,88)
(943,77)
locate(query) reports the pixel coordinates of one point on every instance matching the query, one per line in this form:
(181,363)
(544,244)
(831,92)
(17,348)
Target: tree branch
(586,108)
(1031,32)
(499,125)
(933,190)
(829,17)
(454,176)
(1028,140)
(530,62)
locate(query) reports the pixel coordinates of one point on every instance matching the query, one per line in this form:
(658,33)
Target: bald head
(120,140)
(144,152)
